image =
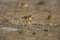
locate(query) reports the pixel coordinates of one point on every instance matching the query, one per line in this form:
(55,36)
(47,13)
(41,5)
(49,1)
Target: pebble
(50,17)
(49,34)
(41,3)
(33,33)
(23,5)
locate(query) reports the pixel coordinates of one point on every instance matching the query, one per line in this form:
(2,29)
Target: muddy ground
(39,20)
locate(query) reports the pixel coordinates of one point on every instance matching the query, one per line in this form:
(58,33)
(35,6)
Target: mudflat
(29,19)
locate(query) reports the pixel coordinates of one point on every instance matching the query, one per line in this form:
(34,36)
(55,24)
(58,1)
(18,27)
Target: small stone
(32,22)
(30,17)
(33,33)
(50,24)
(50,17)
(22,31)
(6,20)
(49,34)
(29,23)
(41,3)
(16,21)
(23,5)
(45,30)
